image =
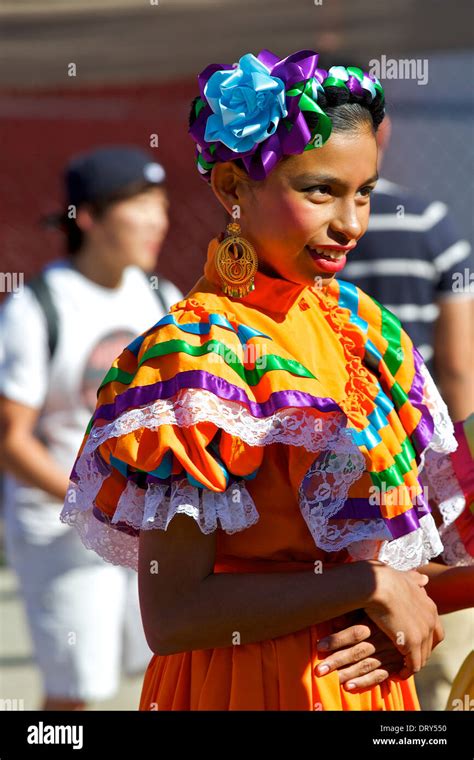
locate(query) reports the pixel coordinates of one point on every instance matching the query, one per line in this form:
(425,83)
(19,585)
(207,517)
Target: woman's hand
(402,609)
(362,654)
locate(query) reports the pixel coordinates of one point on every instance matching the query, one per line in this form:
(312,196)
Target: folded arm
(185,606)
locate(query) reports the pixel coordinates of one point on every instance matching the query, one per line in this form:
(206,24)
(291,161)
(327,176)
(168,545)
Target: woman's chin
(316,277)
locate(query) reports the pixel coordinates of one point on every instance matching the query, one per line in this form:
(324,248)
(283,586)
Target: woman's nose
(346,222)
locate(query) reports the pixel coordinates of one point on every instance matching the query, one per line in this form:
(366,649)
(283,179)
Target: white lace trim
(109,543)
(404,553)
(414,549)
(443,440)
(326,484)
(455,553)
(234,509)
(443,487)
(371,539)
(190,406)
(324,490)
(151,508)
(437,474)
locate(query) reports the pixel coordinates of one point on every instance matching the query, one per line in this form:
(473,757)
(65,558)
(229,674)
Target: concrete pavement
(19,677)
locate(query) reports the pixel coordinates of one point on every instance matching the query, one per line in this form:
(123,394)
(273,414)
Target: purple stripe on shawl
(423,432)
(363,509)
(360,509)
(147,394)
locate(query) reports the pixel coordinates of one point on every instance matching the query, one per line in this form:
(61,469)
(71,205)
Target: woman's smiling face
(316,198)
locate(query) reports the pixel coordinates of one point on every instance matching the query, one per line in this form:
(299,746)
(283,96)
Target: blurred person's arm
(23,455)
(24,380)
(451,588)
(453,260)
(454,354)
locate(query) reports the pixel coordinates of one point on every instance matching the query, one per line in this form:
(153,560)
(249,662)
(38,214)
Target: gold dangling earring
(236,263)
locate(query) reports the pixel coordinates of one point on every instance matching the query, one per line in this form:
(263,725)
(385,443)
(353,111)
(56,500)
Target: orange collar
(271,293)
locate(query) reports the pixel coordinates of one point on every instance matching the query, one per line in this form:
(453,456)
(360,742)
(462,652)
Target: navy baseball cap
(107,171)
(104,173)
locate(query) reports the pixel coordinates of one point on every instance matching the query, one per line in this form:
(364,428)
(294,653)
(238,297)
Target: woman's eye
(326,189)
(323,189)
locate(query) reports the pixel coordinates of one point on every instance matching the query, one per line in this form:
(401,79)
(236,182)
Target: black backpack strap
(161,299)
(158,292)
(40,288)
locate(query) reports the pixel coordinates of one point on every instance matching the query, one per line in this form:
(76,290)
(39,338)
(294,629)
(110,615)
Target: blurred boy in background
(58,339)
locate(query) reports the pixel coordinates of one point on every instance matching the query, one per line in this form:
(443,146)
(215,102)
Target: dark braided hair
(349,111)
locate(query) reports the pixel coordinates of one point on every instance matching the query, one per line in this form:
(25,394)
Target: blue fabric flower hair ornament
(264,108)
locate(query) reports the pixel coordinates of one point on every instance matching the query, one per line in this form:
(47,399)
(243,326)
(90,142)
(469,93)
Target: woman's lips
(327,259)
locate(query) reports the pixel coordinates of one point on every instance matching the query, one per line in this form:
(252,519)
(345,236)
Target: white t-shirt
(95,324)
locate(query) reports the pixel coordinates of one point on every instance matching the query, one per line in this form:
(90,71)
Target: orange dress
(294,421)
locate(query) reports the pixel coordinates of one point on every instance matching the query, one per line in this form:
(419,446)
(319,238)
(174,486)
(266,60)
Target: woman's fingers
(345,638)
(383,661)
(432,631)
(379,675)
(412,662)
(344,657)
(428,646)
(359,652)
(406,615)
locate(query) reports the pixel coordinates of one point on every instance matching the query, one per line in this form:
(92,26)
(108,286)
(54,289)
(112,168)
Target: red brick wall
(41,130)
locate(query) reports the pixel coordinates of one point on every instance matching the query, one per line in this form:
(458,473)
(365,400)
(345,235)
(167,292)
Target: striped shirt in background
(410,258)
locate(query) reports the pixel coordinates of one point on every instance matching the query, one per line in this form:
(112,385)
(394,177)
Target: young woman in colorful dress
(257,455)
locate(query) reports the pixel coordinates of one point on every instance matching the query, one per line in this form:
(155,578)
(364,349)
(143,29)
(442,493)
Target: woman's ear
(228,183)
